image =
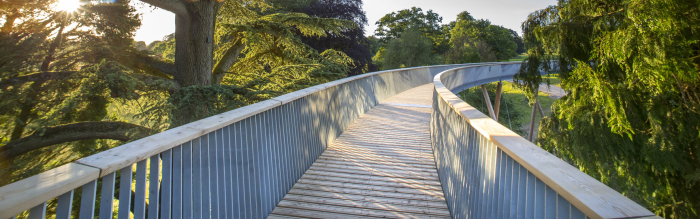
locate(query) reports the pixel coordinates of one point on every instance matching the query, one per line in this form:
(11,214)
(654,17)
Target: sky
(507,13)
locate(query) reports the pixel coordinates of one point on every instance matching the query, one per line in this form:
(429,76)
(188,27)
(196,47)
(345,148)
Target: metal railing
(238,164)
(241,163)
(488,171)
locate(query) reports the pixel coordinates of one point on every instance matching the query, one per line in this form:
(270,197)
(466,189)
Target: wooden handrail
(592,197)
(27,193)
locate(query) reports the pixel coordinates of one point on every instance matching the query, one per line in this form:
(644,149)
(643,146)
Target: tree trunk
(194,36)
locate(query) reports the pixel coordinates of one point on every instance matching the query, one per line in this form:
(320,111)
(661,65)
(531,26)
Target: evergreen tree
(631,117)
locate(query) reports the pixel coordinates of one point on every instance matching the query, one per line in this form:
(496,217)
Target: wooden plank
(425,161)
(311,214)
(361,161)
(352,211)
(396,148)
(368,192)
(407,145)
(369,205)
(370,177)
(417,139)
(380,153)
(377,170)
(119,157)
(381,200)
(22,195)
(371,182)
(331,163)
(395,174)
(435,193)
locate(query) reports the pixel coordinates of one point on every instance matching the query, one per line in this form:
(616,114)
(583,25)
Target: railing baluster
(242,170)
(38,212)
(107,199)
(153,188)
(140,190)
(227,162)
(515,176)
(539,199)
(197,179)
(188,179)
(125,192)
(221,174)
(261,164)
(530,201)
(563,208)
(65,203)
(212,210)
(87,200)
(166,185)
(235,171)
(247,161)
(522,190)
(178,180)
(550,207)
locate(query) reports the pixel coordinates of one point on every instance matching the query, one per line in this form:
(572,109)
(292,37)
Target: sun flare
(68,5)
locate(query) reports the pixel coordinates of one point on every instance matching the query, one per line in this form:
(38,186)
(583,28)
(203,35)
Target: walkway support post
(530,136)
(497,105)
(539,107)
(488,102)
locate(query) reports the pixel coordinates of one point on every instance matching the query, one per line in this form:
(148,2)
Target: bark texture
(72,132)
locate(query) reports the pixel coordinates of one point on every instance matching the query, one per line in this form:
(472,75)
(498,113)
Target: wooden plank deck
(381,166)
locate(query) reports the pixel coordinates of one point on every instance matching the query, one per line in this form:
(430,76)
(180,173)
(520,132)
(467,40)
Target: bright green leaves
(632,115)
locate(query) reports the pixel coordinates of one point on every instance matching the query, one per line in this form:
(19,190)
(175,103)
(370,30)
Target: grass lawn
(553,79)
(517,102)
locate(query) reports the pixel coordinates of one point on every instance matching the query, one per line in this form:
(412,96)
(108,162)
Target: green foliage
(165,48)
(374,44)
(465,50)
(498,38)
(101,75)
(632,116)
(393,25)
(410,50)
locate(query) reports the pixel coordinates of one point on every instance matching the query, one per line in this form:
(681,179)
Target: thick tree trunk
(194,36)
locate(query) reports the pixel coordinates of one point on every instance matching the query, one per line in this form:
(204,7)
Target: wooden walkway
(381,166)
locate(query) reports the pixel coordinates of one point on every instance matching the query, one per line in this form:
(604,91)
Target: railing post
(497,105)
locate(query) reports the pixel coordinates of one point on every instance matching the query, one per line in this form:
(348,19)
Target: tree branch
(72,132)
(157,82)
(174,6)
(165,67)
(230,58)
(36,77)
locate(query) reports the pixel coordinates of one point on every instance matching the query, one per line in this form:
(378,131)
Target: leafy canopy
(632,115)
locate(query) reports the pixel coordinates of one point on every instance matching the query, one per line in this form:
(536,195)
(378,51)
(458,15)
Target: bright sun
(68,5)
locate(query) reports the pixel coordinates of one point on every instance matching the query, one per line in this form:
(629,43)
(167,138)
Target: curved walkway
(381,166)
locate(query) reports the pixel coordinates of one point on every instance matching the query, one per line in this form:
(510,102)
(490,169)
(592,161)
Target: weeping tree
(632,114)
(86,88)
